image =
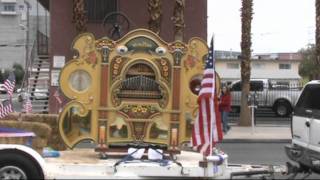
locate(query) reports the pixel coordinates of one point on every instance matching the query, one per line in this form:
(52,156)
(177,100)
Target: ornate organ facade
(136,89)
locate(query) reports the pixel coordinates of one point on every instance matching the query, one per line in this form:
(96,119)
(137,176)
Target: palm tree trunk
(246,18)
(178,19)
(317,36)
(154,8)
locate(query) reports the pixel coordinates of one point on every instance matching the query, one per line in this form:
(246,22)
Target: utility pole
(27,41)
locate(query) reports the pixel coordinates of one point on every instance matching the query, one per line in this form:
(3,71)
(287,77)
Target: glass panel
(119,128)
(74,125)
(189,124)
(309,100)
(195,84)
(256,86)
(159,130)
(80,80)
(236,87)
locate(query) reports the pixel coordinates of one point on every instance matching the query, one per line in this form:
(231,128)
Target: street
(17,106)
(258,154)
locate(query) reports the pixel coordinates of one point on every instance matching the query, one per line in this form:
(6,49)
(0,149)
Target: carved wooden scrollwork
(178,19)
(79,15)
(154,8)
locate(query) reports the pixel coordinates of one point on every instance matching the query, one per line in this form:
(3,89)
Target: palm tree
(246,18)
(178,19)
(317,36)
(154,8)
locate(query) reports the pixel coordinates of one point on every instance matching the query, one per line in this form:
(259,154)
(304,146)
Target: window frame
(285,66)
(300,108)
(7,9)
(92,15)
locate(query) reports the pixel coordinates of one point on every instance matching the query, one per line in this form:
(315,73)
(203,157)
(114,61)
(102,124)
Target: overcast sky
(277,25)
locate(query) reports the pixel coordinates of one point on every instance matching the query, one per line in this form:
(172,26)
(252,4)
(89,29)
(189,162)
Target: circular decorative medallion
(80,80)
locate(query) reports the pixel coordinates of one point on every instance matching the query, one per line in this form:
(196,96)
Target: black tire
(18,164)
(282,108)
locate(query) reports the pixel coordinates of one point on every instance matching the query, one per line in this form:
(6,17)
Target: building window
(98,9)
(9,7)
(284,66)
(232,65)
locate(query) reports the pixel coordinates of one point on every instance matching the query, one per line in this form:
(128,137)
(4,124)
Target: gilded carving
(89,52)
(165,69)
(177,49)
(139,111)
(192,58)
(116,66)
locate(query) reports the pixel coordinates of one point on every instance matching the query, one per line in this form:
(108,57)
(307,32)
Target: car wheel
(282,109)
(17,166)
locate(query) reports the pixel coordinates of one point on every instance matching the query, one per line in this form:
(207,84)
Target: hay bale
(41,130)
(51,120)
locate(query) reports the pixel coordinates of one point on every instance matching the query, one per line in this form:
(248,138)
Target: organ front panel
(139,89)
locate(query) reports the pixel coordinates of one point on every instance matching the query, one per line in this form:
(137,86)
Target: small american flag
(208,117)
(10,83)
(27,105)
(57,96)
(5,108)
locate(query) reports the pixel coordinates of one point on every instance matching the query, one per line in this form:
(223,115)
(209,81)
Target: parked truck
(280,98)
(305,146)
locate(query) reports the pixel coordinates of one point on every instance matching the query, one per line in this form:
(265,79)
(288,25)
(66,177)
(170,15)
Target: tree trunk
(317,37)
(154,8)
(246,18)
(178,19)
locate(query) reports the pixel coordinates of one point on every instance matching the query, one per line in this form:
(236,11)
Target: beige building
(280,68)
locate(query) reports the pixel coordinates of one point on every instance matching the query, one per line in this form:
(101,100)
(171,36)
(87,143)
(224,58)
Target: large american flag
(10,83)
(5,108)
(208,117)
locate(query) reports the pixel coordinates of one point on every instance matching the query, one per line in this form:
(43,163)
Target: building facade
(16,25)
(280,68)
(63,31)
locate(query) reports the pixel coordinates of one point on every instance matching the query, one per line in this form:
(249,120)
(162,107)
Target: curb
(256,141)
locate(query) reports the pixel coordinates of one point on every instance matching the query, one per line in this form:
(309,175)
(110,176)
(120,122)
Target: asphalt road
(258,154)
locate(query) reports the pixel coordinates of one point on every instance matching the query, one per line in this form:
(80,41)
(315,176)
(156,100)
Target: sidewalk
(261,134)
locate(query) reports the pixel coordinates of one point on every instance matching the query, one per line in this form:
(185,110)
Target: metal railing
(42,43)
(274,105)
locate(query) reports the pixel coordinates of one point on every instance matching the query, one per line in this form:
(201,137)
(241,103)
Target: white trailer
(86,164)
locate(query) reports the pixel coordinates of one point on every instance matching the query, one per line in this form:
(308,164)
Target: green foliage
(18,72)
(308,67)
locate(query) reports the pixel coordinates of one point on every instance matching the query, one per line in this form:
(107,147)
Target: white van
(305,147)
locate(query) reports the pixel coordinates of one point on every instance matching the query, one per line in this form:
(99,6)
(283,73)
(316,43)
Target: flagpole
(212,100)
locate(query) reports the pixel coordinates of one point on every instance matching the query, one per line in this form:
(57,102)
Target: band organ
(136,89)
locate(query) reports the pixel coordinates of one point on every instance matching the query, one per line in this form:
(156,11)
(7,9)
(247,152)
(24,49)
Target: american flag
(208,116)
(10,83)
(27,105)
(5,108)
(57,96)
